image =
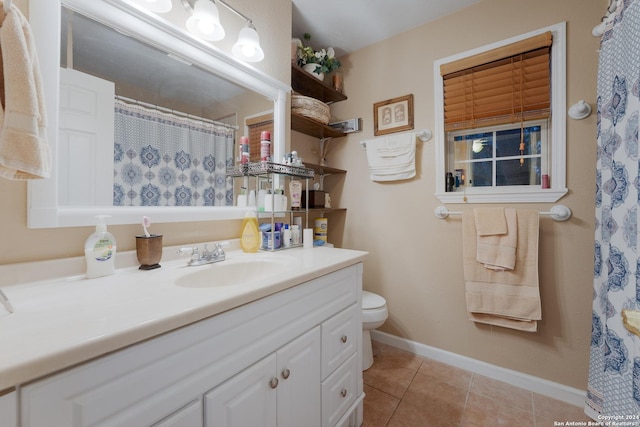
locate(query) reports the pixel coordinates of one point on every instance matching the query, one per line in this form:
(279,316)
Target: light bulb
(205,21)
(248,47)
(248,50)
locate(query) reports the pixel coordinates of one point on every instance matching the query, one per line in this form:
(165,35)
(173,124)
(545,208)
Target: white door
(246,400)
(85,150)
(299,391)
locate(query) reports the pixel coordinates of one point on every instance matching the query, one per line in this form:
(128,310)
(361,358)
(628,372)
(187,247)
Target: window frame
(556,149)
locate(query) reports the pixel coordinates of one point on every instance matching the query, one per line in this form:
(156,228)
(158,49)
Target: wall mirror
(105,62)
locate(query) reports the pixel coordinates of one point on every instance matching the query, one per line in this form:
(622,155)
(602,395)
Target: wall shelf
(304,83)
(313,128)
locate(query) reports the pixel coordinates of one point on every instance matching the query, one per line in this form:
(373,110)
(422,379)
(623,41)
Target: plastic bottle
(265,146)
(250,235)
(286,236)
(100,251)
(244,150)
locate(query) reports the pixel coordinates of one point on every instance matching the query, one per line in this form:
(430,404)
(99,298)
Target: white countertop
(58,323)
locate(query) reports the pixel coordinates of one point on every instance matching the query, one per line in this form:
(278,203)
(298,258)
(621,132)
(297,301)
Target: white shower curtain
(614,370)
(161,159)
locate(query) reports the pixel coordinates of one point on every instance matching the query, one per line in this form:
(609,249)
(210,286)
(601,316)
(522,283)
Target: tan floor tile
(391,357)
(446,373)
(557,410)
(393,381)
(436,399)
(482,411)
(378,407)
(502,391)
(407,415)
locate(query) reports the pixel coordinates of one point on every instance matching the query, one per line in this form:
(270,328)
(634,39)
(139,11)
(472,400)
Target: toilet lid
(371,301)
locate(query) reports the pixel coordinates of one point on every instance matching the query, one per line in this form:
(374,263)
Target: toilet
(374,313)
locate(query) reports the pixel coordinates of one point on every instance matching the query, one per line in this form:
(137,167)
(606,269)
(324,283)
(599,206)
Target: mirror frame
(131,19)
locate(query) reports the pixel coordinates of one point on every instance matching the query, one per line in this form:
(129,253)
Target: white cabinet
(281,390)
(8,409)
(188,416)
(222,367)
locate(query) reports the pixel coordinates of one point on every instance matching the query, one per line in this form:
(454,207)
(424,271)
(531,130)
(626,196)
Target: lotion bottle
(100,251)
(295,190)
(250,234)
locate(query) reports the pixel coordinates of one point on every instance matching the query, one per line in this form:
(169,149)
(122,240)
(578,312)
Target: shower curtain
(614,370)
(161,159)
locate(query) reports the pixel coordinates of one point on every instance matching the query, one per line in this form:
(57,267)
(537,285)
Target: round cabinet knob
(285,373)
(343,393)
(343,338)
(273,383)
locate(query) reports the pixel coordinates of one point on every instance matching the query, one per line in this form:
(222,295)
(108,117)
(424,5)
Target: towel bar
(557,212)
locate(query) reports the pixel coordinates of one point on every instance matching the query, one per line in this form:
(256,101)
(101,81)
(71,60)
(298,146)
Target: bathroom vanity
(191,346)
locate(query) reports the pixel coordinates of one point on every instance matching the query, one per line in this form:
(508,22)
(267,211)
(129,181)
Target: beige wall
(415,260)
(19,243)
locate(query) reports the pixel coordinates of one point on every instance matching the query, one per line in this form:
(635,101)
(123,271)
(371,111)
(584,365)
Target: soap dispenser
(100,251)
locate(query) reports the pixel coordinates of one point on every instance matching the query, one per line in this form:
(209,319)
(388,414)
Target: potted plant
(317,63)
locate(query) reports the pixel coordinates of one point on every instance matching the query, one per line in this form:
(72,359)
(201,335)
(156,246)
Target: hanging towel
(490,221)
(24,152)
(510,298)
(392,158)
(496,249)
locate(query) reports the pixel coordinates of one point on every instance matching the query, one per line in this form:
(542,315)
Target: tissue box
(316,199)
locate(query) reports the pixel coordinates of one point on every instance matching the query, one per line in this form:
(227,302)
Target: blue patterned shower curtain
(161,159)
(614,371)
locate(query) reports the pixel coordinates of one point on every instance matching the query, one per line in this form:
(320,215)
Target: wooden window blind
(510,84)
(257,125)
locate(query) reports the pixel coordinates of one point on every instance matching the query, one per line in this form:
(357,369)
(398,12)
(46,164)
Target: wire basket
(264,168)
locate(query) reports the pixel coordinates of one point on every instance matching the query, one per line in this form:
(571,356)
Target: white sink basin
(233,272)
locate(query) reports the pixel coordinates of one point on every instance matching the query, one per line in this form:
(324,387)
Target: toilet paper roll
(307,238)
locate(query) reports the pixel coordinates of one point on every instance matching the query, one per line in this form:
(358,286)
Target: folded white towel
(391,158)
(24,151)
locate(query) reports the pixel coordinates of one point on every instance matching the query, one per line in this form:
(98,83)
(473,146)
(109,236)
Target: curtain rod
(557,212)
(174,112)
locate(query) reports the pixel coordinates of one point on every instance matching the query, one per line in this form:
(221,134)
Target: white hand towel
(24,151)
(392,158)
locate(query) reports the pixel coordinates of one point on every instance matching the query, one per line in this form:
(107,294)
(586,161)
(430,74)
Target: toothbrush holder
(149,251)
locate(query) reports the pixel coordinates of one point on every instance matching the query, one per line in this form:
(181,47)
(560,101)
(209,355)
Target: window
(500,120)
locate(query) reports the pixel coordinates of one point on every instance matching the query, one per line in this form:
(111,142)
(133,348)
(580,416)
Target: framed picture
(393,115)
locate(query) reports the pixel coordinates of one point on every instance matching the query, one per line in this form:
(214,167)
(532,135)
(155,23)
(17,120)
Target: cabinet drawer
(340,338)
(339,391)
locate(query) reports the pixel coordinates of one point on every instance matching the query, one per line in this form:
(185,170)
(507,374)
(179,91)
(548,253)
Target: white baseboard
(548,388)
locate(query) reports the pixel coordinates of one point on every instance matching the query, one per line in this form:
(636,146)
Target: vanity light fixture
(248,47)
(204,23)
(159,6)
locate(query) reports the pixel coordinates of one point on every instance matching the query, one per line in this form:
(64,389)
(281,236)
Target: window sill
(505,195)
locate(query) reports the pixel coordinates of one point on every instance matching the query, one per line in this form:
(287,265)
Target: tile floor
(405,390)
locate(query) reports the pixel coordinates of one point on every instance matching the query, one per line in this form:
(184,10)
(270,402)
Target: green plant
(324,58)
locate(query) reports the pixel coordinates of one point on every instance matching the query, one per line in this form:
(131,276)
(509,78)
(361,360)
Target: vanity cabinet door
(299,391)
(247,399)
(8,409)
(281,390)
(188,416)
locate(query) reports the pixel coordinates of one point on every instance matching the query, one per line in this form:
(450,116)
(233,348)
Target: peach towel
(24,152)
(496,250)
(510,298)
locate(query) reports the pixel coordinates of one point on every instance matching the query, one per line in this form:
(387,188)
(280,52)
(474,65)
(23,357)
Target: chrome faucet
(206,257)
